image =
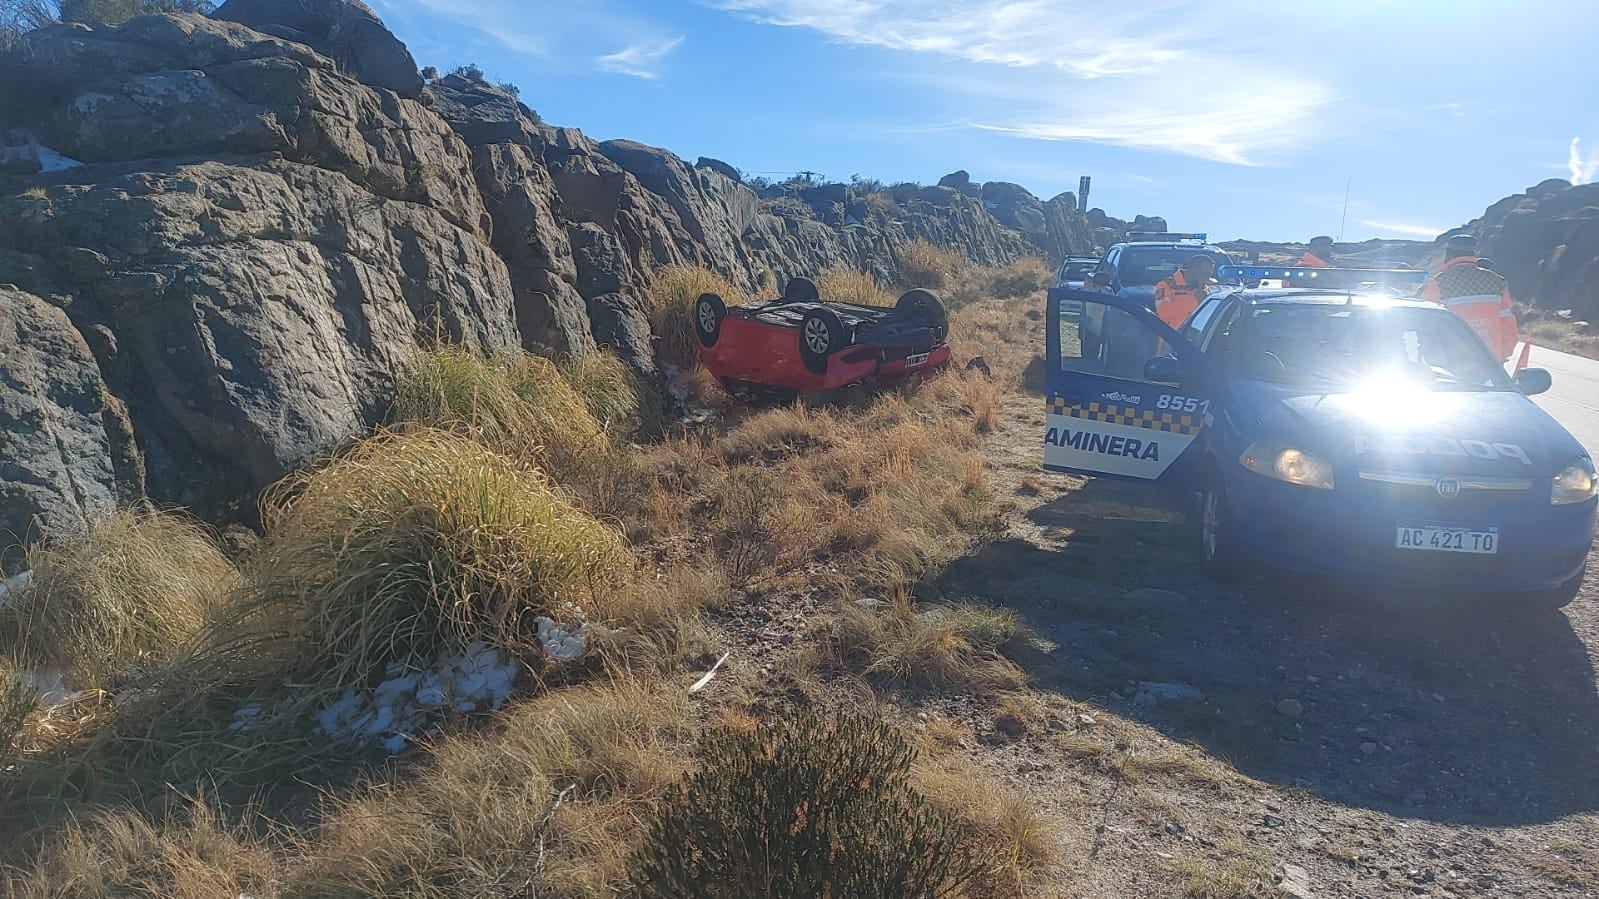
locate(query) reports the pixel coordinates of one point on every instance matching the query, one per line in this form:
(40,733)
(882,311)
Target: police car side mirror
(1163,370)
(1099,280)
(1533,381)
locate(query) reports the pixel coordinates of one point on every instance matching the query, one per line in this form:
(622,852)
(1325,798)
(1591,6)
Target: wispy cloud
(1155,75)
(1404,229)
(1458,110)
(638,60)
(1583,169)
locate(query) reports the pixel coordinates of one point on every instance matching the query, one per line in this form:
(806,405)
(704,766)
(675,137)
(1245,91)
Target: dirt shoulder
(1379,748)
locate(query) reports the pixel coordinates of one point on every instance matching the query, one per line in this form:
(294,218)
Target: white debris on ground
(560,643)
(14,584)
(678,387)
(51,688)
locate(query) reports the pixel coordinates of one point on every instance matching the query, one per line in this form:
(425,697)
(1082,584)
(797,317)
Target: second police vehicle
(1335,429)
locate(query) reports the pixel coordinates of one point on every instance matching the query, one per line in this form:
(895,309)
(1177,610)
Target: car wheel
(923,307)
(821,335)
(1561,596)
(1218,551)
(708,313)
(800,290)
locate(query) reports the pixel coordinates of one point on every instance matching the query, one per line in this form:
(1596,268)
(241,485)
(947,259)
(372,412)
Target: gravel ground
(1339,745)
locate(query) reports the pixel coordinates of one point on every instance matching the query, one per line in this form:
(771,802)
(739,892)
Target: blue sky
(1242,118)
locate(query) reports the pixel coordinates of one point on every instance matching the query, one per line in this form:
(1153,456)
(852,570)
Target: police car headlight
(1287,464)
(1575,484)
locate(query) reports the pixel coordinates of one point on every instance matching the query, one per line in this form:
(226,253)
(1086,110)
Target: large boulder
(60,429)
(1546,243)
(346,31)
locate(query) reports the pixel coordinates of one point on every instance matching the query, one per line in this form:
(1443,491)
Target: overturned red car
(800,342)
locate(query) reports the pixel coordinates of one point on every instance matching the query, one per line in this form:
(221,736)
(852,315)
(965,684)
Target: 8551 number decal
(1175,403)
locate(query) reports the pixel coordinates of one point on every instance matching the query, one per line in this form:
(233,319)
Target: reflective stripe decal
(1470,300)
(1132,416)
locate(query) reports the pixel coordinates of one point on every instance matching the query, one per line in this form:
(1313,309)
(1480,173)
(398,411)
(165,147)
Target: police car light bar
(1310,276)
(1171,236)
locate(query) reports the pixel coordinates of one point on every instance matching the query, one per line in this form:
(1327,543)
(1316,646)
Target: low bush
(809,806)
(127,592)
(958,646)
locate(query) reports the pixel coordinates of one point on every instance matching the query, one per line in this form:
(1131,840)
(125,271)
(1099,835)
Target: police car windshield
(1146,266)
(1338,346)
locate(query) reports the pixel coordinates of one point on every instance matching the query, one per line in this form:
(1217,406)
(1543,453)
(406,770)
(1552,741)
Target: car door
(1126,395)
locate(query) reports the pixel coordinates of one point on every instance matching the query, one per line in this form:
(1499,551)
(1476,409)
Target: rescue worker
(1477,294)
(1319,254)
(1179,294)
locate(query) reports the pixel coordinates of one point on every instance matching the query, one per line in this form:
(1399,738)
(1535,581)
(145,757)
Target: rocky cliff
(1546,243)
(220,239)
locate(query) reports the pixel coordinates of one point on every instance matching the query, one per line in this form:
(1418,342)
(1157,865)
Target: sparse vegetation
(1559,334)
(960,647)
(672,297)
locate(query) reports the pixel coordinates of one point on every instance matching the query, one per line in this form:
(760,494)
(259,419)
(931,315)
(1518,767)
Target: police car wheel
(708,313)
(1218,557)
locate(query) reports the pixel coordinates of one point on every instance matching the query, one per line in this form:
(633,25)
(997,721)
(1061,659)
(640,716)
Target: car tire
(1219,557)
(821,335)
(709,310)
(923,307)
(800,290)
(1561,596)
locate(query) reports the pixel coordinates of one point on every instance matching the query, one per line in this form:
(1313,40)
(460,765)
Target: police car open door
(1127,397)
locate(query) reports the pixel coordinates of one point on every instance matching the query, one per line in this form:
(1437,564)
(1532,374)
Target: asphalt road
(1574,398)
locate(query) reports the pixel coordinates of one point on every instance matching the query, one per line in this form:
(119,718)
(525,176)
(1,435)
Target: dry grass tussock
(125,593)
(671,307)
(192,854)
(543,806)
(850,286)
(1021,848)
(925,264)
(613,395)
(954,646)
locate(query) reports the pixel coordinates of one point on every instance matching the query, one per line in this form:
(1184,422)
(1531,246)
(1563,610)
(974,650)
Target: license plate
(917,359)
(1449,540)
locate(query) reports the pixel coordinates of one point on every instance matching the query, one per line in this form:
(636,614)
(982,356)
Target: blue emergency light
(1311,276)
(1165,236)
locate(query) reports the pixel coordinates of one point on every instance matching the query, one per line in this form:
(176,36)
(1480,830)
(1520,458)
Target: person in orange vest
(1179,294)
(1476,293)
(1319,254)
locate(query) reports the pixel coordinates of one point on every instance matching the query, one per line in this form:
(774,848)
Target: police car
(1075,270)
(1337,429)
(1132,269)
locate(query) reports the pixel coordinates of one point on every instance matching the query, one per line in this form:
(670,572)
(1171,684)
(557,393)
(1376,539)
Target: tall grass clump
(414,545)
(126,592)
(956,646)
(672,297)
(1024,277)
(614,395)
(522,406)
(191,854)
(850,286)
(925,264)
(809,806)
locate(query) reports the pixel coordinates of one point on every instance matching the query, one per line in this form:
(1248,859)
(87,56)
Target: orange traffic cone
(1526,354)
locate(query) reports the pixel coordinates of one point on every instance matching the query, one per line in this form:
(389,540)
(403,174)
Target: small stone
(1437,697)
(1293,708)
(1272,821)
(1086,719)
(1173,827)
(1295,882)
(1368,747)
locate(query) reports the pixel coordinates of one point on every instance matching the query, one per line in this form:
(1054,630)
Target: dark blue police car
(1335,430)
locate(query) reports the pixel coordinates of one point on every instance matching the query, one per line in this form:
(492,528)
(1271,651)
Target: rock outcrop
(274,212)
(1546,243)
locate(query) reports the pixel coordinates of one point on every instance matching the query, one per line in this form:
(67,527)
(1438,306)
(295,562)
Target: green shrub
(810,806)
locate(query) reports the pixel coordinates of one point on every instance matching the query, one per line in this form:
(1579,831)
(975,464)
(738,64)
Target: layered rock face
(274,212)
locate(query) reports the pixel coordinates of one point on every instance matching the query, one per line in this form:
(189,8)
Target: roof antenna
(1345,218)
